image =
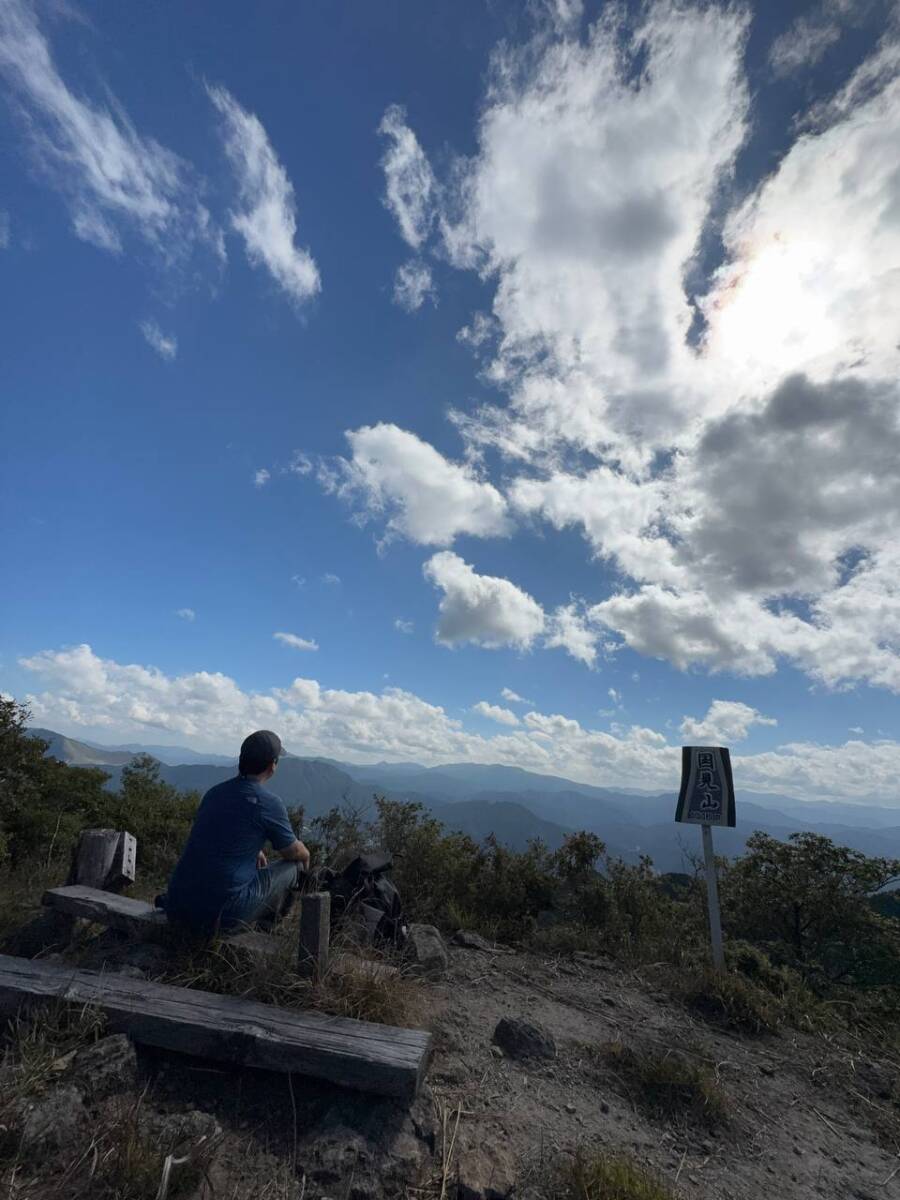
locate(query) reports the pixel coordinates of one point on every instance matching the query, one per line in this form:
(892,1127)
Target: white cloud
(266,217)
(165,345)
(514,697)
(409,180)
(83,690)
(186,614)
(413,285)
(729,447)
(493,712)
(403,626)
(330,578)
(615,696)
(300,464)
(298,581)
(807,39)
(482,609)
(568,629)
(115,180)
(298,643)
(726,722)
(261,477)
(425,497)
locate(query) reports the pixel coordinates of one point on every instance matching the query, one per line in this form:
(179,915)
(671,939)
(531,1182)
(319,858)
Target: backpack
(362,887)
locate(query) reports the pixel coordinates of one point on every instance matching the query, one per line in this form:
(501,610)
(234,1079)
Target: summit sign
(707,789)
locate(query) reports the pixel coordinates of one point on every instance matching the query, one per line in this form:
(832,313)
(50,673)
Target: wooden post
(105,859)
(315,927)
(712,896)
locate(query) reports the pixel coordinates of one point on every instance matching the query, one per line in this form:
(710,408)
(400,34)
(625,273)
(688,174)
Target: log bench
(357,1054)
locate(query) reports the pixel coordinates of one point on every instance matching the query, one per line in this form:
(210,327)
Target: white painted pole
(712,896)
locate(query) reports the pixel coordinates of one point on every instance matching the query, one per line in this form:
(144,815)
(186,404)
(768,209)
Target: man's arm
(296,852)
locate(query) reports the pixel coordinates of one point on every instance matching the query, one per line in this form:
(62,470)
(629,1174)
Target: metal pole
(712,896)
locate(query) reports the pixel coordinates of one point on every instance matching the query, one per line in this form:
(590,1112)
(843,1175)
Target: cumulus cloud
(81,689)
(569,629)
(186,614)
(494,712)
(513,697)
(116,181)
(266,217)
(424,496)
(728,445)
(297,643)
(165,345)
(413,285)
(481,609)
(261,477)
(409,179)
(726,722)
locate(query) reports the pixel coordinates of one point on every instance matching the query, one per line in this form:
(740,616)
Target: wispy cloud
(298,643)
(513,697)
(493,712)
(165,345)
(330,578)
(403,626)
(186,614)
(115,179)
(266,217)
(413,285)
(261,477)
(409,180)
(4,230)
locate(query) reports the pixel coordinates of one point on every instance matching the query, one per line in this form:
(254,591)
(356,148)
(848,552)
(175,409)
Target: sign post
(707,799)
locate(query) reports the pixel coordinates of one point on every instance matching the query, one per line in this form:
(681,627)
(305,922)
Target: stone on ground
(425,951)
(485,1174)
(522,1039)
(106,1068)
(55,1121)
(474,941)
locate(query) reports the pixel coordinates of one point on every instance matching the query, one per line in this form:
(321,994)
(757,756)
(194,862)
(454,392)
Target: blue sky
(480,349)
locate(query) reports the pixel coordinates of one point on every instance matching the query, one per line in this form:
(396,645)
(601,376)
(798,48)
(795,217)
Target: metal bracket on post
(712,896)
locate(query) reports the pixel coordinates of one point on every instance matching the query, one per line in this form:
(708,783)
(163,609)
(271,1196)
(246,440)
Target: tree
(809,901)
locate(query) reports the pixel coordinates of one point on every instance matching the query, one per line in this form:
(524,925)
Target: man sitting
(223,878)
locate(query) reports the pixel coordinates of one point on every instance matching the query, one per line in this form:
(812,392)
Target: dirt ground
(808,1116)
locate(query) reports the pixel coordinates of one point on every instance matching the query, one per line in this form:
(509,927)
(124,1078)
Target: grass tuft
(668,1085)
(603,1176)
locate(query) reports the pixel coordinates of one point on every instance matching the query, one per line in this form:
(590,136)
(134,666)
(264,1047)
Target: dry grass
(603,1176)
(667,1085)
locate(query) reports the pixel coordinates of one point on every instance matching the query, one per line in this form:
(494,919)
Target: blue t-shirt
(217,873)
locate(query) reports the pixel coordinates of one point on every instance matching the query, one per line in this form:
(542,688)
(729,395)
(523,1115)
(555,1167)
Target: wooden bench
(355,1054)
(118,912)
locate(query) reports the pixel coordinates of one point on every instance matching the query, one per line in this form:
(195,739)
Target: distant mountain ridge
(518,806)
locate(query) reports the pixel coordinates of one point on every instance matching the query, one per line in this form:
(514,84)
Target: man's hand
(297,853)
(261,860)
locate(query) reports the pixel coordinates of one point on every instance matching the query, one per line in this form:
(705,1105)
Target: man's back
(217,870)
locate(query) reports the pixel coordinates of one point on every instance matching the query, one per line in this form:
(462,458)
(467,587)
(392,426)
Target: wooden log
(105,908)
(104,858)
(356,1054)
(315,930)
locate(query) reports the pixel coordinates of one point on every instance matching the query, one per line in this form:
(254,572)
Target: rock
(184,1130)
(340,1154)
(128,972)
(54,1121)
(106,1068)
(473,941)
(496,1052)
(521,1039)
(485,1175)
(146,956)
(425,951)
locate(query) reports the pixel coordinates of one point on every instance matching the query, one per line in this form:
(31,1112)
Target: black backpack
(362,887)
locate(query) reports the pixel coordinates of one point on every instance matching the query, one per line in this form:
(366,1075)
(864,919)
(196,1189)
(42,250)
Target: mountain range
(515,805)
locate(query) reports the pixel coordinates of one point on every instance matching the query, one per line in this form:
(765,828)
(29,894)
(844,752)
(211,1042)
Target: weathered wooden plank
(355,1054)
(104,858)
(106,908)
(315,929)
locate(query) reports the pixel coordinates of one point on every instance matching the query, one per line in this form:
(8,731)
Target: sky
(493,381)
